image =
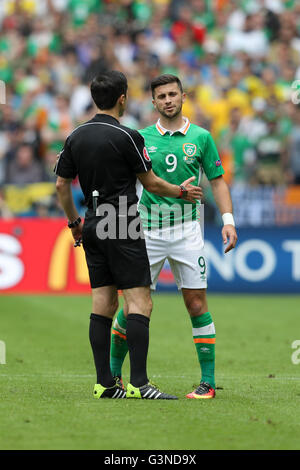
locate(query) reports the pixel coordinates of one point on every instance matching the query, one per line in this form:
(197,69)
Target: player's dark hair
(107,88)
(165,80)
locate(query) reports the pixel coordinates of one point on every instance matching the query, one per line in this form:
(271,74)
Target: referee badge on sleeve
(146,155)
(57,160)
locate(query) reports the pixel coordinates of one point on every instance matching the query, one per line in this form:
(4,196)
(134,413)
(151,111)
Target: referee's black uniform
(106,156)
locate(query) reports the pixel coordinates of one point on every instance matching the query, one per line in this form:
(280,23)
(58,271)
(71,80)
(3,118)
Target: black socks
(137,333)
(100,330)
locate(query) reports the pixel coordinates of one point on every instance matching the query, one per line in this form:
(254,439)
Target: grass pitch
(46,384)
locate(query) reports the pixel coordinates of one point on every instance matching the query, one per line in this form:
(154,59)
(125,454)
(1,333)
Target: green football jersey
(176,157)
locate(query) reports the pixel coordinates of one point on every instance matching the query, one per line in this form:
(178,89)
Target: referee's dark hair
(107,88)
(165,79)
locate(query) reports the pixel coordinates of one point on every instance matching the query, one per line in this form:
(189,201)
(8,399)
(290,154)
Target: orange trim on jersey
(205,340)
(115,332)
(186,128)
(184,131)
(159,129)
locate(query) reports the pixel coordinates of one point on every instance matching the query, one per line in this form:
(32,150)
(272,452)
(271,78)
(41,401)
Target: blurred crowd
(239,62)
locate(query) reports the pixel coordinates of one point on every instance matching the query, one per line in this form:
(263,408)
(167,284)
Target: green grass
(46,384)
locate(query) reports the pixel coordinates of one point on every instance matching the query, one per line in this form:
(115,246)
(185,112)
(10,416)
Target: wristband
(75,223)
(228,219)
(183,192)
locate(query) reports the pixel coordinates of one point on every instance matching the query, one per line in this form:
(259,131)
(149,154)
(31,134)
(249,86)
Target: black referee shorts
(123,263)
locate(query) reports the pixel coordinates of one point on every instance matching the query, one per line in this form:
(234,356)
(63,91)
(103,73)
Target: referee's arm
(156,185)
(64,193)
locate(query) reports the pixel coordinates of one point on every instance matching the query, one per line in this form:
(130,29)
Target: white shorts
(185,252)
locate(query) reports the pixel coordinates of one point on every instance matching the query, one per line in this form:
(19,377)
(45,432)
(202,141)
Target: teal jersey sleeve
(211,162)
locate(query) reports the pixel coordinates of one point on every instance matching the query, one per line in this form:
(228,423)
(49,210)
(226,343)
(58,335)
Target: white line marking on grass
(65,376)
(191,377)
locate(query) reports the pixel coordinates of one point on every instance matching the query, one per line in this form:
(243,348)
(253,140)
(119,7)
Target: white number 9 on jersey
(171,161)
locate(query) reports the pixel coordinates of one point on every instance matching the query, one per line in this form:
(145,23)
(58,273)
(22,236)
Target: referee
(108,158)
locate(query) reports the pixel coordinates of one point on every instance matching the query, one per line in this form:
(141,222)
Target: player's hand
(193,192)
(77,234)
(229,236)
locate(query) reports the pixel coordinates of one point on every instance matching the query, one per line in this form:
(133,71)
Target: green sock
(204,335)
(119,346)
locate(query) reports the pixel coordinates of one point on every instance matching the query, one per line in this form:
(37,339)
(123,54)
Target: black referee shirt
(106,156)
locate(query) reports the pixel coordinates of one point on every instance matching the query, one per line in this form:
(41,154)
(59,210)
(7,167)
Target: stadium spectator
(23,168)
(252,39)
(234,140)
(255,126)
(159,41)
(58,124)
(271,154)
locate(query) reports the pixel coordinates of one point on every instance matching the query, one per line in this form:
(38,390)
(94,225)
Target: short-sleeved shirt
(189,151)
(106,156)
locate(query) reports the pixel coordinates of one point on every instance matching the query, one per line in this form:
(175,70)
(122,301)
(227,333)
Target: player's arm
(64,194)
(223,200)
(156,185)
(140,162)
(66,170)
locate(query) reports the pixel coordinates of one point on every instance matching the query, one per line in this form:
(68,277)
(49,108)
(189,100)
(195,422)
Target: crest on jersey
(189,149)
(146,155)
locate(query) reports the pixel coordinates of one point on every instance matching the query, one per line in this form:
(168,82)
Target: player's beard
(172,115)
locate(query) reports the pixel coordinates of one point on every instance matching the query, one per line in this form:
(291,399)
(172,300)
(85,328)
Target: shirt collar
(105,118)
(183,130)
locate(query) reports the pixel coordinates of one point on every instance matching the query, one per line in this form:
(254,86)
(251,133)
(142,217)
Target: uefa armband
(228,219)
